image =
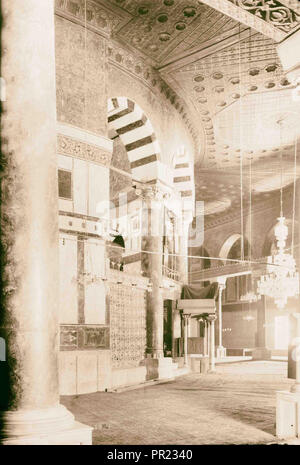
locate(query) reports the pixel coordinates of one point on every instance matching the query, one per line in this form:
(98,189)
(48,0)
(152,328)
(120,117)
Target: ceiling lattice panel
(228,73)
(162,29)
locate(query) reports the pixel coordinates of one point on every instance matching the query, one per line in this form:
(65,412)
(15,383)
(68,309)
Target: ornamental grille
(127,325)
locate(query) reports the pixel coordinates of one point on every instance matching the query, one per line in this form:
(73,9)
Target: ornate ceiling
(220,57)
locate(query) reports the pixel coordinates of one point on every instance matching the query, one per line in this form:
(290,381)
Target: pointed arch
(128,121)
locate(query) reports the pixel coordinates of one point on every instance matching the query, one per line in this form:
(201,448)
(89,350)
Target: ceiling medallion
(271,68)
(143,10)
(221,104)
(284,82)
(252,88)
(199,89)
(234,80)
(217,75)
(199,78)
(189,11)
(162,18)
(180,26)
(269,85)
(164,36)
(254,72)
(202,100)
(235,96)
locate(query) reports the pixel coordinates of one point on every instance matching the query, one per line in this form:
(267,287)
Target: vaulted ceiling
(220,57)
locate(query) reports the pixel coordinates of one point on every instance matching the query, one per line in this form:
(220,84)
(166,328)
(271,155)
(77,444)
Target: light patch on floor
(236,405)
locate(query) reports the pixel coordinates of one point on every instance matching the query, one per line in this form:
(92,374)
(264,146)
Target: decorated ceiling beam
(269,17)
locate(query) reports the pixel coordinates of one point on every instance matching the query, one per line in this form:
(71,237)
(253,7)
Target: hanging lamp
(281,280)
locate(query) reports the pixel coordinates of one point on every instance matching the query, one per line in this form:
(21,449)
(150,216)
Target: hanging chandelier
(282,279)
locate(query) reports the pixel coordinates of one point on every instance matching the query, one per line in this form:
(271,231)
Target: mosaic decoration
(127,325)
(82,337)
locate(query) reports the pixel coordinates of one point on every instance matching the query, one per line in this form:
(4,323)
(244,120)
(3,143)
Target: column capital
(221,280)
(211,318)
(156,192)
(186,315)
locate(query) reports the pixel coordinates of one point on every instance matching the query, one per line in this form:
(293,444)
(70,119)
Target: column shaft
(220,317)
(152,267)
(185,338)
(29,214)
(212,346)
(29,324)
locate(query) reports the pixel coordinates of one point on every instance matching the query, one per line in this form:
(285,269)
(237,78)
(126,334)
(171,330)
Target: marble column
(221,351)
(29,397)
(153,197)
(186,319)
(152,222)
(205,351)
(211,319)
(182,260)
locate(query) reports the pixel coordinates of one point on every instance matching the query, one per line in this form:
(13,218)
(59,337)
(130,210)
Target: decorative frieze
(90,13)
(78,149)
(83,337)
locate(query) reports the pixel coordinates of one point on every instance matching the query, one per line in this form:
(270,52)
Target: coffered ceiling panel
(230,76)
(161,29)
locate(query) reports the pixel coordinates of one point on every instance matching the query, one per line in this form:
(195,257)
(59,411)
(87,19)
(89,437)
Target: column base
(77,435)
(159,368)
(46,426)
(221,352)
(287,415)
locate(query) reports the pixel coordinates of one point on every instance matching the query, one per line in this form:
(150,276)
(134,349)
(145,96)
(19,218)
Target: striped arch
(127,120)
(183,179)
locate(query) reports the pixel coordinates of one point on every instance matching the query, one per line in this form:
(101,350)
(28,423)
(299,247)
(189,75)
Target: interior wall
(169,128)
(272,312)
(239,332)
(81,76)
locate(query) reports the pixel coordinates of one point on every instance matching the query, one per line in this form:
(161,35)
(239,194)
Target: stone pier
(29,397)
